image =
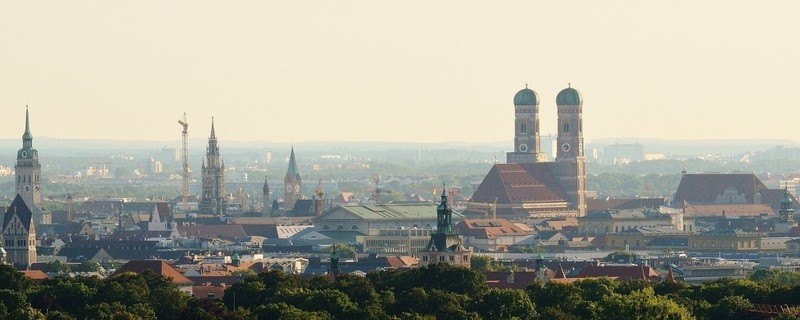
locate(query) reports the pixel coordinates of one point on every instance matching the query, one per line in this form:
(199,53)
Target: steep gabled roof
(520,183)
(705,188)
(158,267)
(291,172)
(21,210)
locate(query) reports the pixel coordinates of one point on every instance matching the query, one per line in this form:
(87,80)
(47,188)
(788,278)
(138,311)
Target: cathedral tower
(213,198)
(19,233)
(292,184)
(526,128)
(570,161)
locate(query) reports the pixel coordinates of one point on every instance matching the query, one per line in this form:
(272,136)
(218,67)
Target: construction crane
(185,158)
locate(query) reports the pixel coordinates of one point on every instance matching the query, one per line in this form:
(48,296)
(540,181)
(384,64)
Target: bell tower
(526,128)
(570,161)
(28,174)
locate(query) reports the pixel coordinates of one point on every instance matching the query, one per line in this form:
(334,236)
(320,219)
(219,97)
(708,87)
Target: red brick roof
(729,210)
(489,228)
(602,204)
(209,291)
(621,272)
(705,188)
(158,267)
(520,183)
(773,197)
(34,274)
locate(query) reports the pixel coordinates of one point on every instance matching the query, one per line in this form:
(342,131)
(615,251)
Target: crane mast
(185,159)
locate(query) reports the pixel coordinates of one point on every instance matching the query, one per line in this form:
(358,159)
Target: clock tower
(28,175)
(292,184)
(570,161)
(213,197)
(526,128)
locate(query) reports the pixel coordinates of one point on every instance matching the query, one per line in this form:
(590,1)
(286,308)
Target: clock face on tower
(565,146)
(24,154)
(296,188)
(27,189)
(288,188)
(523,147)
(35,154)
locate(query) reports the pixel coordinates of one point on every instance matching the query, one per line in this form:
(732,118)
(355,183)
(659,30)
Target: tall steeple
(291,172)
(213,198)
(292,182)
(27,137)
(28,174)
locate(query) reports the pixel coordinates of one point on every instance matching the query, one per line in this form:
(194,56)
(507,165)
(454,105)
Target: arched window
(340,227)
(566,126)
(523,128)
(355,227)
(326,227)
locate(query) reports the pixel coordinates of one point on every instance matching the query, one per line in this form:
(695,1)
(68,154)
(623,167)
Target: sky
(411,71)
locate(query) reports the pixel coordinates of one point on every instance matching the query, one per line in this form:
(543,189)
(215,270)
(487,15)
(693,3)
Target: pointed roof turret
(27,137)
(266,185)
(444,215)
(291,172)
(213,134)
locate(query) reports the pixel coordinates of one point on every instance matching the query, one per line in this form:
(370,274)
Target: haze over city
(374,71)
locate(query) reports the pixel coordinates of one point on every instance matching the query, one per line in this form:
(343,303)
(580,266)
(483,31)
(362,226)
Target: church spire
(213,135)
(291,172)
(27,137)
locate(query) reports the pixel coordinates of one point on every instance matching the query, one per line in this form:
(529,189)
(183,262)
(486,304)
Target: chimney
(510,276)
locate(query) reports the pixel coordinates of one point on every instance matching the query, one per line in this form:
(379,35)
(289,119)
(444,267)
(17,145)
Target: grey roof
(21,210)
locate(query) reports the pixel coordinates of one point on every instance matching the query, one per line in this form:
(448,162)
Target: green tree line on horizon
(438,291)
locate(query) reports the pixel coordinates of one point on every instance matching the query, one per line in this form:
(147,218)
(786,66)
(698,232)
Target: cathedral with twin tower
(528,184)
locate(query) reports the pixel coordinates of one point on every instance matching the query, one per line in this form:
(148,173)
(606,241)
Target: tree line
(438,291)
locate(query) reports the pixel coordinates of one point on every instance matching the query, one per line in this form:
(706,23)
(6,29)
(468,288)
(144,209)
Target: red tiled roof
(773,197)
(158,267)
(489,228)
(621,272)
(209,291)
(34,274)
(600,204)
(729,210)
(705,188)
(520,183)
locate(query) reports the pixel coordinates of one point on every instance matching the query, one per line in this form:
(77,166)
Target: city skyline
(386,72)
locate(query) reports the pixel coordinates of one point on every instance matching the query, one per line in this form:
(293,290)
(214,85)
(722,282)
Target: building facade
(19,234)
(213,198)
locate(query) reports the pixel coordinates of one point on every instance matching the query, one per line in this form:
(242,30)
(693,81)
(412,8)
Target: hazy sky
(425,71)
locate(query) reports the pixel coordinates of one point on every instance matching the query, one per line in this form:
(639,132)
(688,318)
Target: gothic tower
(570,161)
(213,198)
(292,184)
(28,175)
(19,233)
(28,169)
(526,128)
(265,205)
